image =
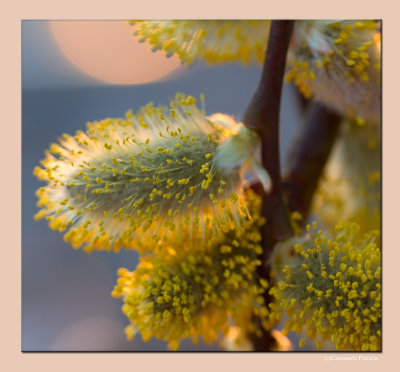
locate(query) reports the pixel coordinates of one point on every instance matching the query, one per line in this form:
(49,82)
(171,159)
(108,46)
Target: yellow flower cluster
(209,40)
(338,62)
(130,182)
(350,189)
(198,290)
(331,287)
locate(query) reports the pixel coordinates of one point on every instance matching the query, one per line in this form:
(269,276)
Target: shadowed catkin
(213,41)
(198,290)
(130,182)
(350,188)
(330,286)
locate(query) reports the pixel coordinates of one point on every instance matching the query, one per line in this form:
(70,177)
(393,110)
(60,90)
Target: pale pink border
(10,214)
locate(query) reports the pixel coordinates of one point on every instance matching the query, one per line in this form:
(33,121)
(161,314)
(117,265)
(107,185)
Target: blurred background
(79,71)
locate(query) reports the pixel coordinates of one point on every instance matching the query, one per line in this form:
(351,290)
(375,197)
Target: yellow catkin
(203,290)
(208,40)
(338,63)
(343,306)
(128,173)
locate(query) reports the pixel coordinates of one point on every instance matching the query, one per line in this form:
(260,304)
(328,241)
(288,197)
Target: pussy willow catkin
(199,289)
(130,182)
(213,41)
(338,63)
(329,286)
(350,188)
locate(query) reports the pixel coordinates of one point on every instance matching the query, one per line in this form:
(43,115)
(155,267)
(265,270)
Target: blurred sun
(107,50)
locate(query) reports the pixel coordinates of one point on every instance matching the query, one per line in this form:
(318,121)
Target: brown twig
(308,156)
(263,116)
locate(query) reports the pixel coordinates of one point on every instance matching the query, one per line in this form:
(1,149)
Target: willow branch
(263,116)
(309,154)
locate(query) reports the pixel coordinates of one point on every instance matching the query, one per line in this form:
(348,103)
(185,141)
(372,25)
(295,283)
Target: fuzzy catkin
(199,290)
(213,41)
(350,188)
(338,63)
(329,286)
(131,182)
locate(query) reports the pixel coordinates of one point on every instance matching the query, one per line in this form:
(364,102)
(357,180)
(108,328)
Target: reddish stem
(263,116)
